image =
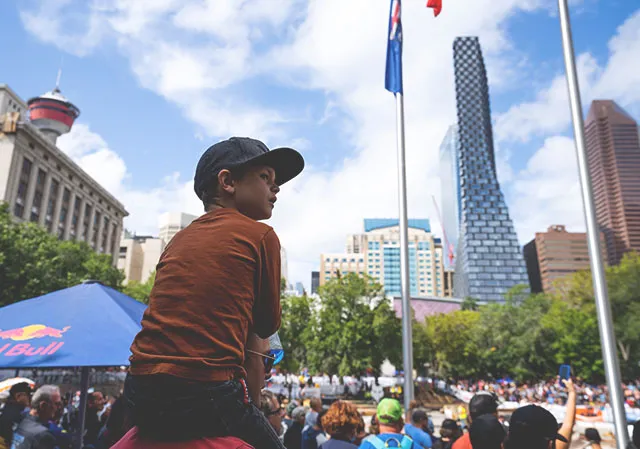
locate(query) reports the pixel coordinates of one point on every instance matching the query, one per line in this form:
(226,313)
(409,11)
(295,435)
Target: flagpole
(407,339)
(605,323)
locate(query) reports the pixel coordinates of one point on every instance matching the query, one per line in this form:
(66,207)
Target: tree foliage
(140,290)
(34,262)
(296,330)
(350,328)
(527,337)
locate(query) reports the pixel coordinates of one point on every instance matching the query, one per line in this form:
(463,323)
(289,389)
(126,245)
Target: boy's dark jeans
(167,408)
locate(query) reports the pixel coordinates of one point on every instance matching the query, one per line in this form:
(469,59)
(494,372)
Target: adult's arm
(254,366)
(570,416)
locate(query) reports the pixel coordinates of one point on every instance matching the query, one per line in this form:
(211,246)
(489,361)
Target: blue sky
(158,81)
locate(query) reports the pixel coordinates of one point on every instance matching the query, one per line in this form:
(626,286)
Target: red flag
(436,5)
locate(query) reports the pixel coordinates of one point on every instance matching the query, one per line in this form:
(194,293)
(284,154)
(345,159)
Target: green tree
(33,262)
(356,327)
(623,282)
(423,349)
(453,342)
(511,339)
(140,290)
(296,331)
(575,339)
(469,303)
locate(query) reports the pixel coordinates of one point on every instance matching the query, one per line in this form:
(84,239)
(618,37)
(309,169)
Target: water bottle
(276,349)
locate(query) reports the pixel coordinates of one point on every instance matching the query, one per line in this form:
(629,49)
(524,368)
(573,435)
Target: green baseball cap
(389,411)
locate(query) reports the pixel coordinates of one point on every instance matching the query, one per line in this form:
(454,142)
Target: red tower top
(52,113)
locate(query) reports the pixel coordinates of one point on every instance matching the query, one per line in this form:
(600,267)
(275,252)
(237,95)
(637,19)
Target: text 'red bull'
(31,332)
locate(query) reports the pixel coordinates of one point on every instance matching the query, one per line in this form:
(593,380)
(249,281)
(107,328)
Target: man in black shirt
(14,410)
(33,431)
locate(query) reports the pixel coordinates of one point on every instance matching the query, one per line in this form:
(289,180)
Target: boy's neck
(221,204)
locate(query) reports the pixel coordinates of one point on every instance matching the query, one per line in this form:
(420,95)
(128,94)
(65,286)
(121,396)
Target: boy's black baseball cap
(531,422)
(238,152)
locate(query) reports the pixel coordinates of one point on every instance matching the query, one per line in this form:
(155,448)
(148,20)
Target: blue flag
(393,75)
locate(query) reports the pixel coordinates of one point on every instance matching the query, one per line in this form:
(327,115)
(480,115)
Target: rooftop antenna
(57,89)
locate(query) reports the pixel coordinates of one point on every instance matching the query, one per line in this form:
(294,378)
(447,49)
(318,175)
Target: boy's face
(255,193)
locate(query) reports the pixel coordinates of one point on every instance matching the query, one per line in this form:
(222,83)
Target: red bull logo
(30,332)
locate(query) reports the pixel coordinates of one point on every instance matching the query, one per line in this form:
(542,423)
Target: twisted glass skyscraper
(489,260)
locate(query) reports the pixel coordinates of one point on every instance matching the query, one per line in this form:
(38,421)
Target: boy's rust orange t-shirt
(217,279)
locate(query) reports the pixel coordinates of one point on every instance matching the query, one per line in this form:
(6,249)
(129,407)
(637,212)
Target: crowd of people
(549,391)
(45,419)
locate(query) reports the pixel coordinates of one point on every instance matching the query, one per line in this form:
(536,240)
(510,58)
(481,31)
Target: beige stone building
(376,252)
(139,256)
(170,223)
(41,184)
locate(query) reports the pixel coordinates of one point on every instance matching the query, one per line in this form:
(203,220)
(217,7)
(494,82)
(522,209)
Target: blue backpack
(405,443)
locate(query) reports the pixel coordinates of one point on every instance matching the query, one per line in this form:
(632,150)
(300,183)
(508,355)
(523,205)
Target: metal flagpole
(407,336)
(605,323)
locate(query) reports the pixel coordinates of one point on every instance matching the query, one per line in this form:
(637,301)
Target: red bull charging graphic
(30,332)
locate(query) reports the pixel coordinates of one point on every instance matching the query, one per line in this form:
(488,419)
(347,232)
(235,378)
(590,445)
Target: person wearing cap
(416,429)
(486,432)
(14,410)
(389,415)
(533,427)
(198,364)
(481,403)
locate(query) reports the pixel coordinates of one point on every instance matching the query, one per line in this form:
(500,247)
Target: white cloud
(198,55)
(547,190)
(89,150)
(619,80)
(549,112)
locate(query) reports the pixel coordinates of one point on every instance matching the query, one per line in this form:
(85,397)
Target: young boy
(198,363)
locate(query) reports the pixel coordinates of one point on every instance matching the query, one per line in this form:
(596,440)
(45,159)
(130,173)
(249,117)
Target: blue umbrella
(86,326)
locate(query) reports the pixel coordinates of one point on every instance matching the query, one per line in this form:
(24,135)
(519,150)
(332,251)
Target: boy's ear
(226,182)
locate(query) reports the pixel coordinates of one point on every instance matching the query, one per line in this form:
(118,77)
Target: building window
(105,233)
(96,224)
(51,206)
(114,240)
(64,210)
(23,186)
(123,252)
(38,196)
(75,217)
(85,222)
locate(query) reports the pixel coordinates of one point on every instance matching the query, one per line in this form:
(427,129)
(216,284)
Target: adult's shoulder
(44,440)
